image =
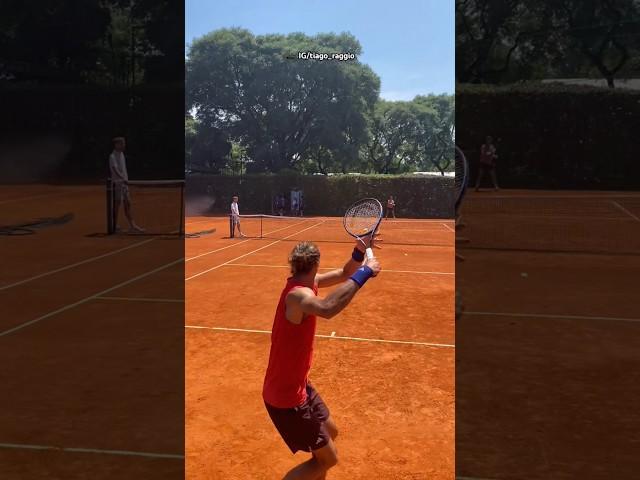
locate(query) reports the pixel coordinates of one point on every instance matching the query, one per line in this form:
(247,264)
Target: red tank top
(290,358)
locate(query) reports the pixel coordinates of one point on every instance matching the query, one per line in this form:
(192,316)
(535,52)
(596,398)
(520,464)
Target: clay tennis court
(90,329)
(547,282)
(384,366)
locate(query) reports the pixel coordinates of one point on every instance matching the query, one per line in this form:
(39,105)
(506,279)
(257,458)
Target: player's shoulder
(300,292)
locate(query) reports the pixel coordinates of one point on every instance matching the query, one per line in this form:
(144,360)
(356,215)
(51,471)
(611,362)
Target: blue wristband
(361,275)
(357,255)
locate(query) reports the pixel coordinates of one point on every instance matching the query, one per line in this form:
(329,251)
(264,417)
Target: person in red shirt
(295,407)
(391,207)
(488,158)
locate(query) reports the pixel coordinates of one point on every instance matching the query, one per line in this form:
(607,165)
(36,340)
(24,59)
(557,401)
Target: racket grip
(369,253)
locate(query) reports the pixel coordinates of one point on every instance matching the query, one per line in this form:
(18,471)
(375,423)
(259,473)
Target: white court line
(356,339)
(418,220)
(217,250)
(635,217)
(73,265)
(448,227)
(235,244)
(134,299)
(89,298)
(552,316)
(127,453)
(335,268)
(251,252)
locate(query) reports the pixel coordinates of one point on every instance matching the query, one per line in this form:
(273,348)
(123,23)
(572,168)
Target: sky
(408,43)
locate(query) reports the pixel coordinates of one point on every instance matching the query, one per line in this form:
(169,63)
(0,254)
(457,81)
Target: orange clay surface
(384,366)
(546,361)
(89,333)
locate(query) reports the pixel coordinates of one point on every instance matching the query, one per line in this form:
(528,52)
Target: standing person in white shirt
(235,216)
(120,179)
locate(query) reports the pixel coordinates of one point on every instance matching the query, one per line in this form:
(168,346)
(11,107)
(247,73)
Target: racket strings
(362,218)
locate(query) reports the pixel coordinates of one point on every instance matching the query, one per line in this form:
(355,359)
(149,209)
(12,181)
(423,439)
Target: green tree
(282,110)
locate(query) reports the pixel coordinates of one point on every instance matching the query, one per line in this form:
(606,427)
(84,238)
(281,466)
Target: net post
(110,223)
(182,210)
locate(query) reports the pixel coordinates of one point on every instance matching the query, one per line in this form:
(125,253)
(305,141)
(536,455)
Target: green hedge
(553,136)
(416,196)
(88,117)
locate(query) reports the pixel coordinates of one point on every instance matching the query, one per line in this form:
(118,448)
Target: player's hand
(368,242)
(374,265)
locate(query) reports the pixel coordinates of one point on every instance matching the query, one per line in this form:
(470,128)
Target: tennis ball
(524,274)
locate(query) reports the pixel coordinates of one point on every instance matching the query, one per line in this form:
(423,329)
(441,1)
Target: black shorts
(485,167)
(303,428)
(121,192)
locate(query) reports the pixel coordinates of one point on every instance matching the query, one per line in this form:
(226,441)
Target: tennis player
(488,158)
(120,180)
(295,407)
(391,207)
(235,215)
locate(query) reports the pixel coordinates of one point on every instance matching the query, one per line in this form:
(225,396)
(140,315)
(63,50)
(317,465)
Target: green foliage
(569,137)
(416,197)
(281,110)
(311,116)
(499,41)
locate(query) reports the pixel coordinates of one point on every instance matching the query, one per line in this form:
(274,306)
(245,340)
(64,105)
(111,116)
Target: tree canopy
(500,41)
(310,116)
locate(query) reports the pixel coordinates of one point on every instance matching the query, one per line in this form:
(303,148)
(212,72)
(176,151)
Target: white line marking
(235,244)
(334,268)
(448,227)
(552,316)
(133,299)
(127,453)
(247,254)
(417,220)
(217,250)
(356,339)
(89,298)
(635,217)
(73,265)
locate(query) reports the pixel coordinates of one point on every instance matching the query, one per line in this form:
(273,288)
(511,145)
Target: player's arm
(334,277)
(303,301)
(115,169)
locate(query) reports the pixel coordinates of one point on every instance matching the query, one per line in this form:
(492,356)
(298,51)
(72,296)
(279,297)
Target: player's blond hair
(304,257)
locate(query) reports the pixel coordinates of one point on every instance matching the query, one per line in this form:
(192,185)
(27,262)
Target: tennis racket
(462,177)
(362,220)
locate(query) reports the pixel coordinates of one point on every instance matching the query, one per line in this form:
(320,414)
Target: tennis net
(589,223)
(331,229)
(157,206)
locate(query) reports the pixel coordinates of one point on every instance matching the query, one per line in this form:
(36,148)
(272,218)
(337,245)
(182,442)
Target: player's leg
(126,200)
(316,467)
(239,229)
(393,211)
(479,179)
(494,179)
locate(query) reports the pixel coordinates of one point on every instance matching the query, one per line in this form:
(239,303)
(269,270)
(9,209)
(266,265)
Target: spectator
(488,158)
(391,207)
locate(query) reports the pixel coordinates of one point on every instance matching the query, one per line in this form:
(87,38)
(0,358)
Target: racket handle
(370,254)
